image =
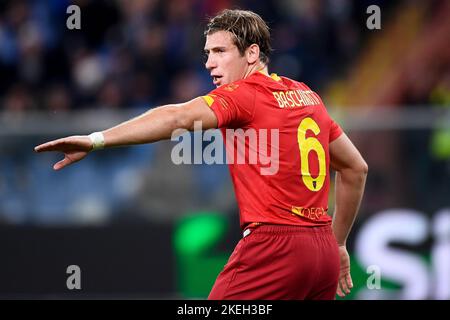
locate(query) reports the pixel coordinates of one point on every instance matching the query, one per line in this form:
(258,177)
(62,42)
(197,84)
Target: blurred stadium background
(141,227)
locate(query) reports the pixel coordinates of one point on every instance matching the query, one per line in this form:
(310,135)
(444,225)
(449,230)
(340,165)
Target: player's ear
(252,53)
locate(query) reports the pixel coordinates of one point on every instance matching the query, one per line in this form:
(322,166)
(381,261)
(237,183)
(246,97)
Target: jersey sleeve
(233,104)
(335,130)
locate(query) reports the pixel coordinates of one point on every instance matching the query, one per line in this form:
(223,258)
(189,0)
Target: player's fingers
(348,280)
(344,285)
(49,146)
(339,291)
(42,147)
(63,163)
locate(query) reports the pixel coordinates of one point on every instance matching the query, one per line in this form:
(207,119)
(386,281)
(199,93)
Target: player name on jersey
(296,98)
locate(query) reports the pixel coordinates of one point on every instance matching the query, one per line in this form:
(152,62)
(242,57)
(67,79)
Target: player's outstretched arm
(351,172)
(154,125)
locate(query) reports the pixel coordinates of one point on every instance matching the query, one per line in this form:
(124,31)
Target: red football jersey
(285,134)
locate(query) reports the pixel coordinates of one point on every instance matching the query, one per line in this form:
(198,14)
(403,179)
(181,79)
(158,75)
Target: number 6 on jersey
(306,145)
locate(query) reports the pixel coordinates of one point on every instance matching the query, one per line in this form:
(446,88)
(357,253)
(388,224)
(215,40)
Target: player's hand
(345,279)
(74,148)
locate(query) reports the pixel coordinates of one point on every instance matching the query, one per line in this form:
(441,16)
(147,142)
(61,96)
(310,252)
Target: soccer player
(291,249)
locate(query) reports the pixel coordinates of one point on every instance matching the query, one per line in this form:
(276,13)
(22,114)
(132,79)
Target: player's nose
(210,63)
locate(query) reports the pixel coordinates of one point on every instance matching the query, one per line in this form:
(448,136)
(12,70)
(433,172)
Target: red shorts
(276,262)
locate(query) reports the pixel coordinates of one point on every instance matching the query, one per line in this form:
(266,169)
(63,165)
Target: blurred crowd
(142,53)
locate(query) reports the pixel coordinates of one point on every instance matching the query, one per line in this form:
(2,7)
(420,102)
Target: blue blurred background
(139,225)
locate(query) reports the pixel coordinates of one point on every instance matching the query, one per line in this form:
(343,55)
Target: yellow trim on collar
(275,77)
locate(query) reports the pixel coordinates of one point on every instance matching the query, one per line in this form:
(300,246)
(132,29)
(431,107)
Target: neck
(256,68)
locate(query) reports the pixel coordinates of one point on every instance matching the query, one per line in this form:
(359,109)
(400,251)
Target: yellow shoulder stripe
(209,100)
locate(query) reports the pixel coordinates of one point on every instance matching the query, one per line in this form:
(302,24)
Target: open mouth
(216,79)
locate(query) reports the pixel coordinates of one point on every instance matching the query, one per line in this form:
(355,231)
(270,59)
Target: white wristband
(98,140)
